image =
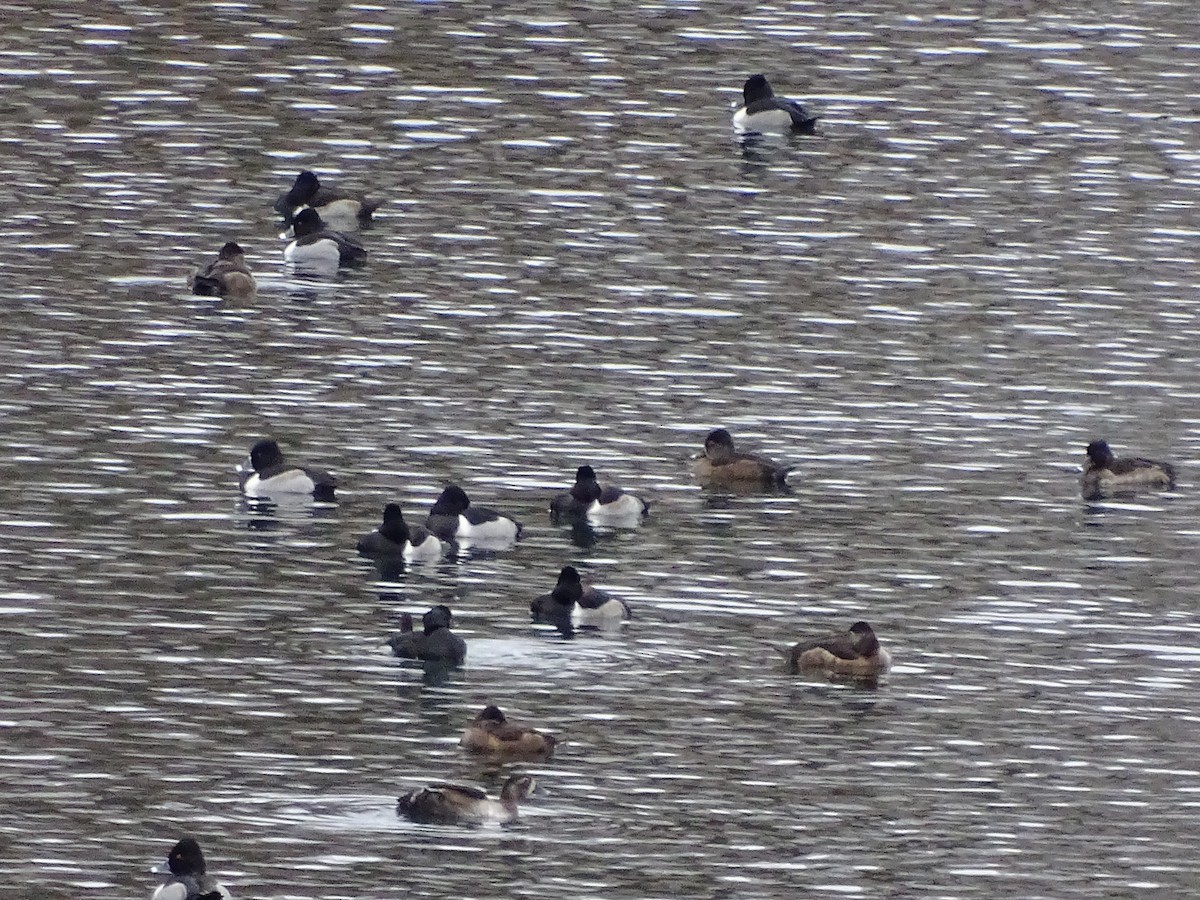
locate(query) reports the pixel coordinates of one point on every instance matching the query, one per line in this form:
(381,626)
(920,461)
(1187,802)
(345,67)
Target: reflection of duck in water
(571,605)
(455,804)
(491,732)
(763,112)
(1104,474)
(587,501)
(722,464)
(437,643)
(856,653)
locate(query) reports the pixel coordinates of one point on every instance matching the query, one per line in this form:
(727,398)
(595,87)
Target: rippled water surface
(985,259)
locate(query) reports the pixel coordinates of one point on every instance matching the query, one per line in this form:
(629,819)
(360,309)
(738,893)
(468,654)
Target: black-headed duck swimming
(269,477)
(856,653)
(435,643)
(318,246)
(454,804)
(1104,474)
(491,732)
(722,464)
(588,501)
(763,112)
(186,875)
(396,538)
(226,276)
(454,518)
(342,210)
(571,605)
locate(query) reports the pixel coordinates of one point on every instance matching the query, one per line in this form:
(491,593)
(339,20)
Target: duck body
(343,210)
(492,733)
(571,605)
(435,644)
(764,113)
(588,502)
(453,518)
(269,477)
(226,276)
(455,804)
(396,539)
(318,246)
(1105,475)
(185,876)
(854,653)
(722,464)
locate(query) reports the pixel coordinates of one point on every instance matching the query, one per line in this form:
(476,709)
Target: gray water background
(986,259)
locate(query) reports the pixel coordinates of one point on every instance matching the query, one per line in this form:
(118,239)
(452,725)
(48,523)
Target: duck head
(437,617)
(865,641)
(586,488)
(1099,454)
(307,221)
(394,528)
(756,88)
(718,446)
(265,455)
(186,859)
(452,502)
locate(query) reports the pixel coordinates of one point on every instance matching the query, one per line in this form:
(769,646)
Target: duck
(453,518)
(456,804)
(492,732)
(587,501)
(394,538)
(437,643)
(571,605)
(316,245)
(722,464)
(1104,474)
(856,653)
(269,477)
(764,112)
(186,877)
(334,206)
(226,276)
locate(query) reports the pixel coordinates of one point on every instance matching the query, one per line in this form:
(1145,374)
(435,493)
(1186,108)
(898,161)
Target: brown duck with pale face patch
(723,464)
(491,732)
(856,653)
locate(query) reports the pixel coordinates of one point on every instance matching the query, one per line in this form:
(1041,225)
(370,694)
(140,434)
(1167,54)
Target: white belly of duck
(319,254)
(625,510)
(492,531)
(291,483)
(429,550)
(769,121)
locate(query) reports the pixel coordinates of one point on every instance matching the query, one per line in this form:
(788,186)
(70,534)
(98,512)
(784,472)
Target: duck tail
(806,125)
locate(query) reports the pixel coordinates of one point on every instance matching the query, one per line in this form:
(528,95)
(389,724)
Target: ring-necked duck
(571,605)
(187,877)
(764,112)
(455,804)
(721,464)
(600,506)
(856,652)
(437,643)
(454,518)
(345,210)
(270,477)
(491,732)
(226,276)
(1104,474)
(320,246)
(395,538)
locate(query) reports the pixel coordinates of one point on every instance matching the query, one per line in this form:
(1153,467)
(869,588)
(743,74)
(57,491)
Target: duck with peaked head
(395,538)
(763,112)
(454,518)
(571,605)
(320,247)
(347,211)
(722,464)
(855,653)
(491,732)
(269,477)
(226,276)
(587,501)
(435,644)
(186,876)
(454,804)
(1104,474)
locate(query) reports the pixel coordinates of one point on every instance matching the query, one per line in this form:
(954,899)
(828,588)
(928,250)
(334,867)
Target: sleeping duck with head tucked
(455,804)
(491,732)
(856,653)
(1105,475)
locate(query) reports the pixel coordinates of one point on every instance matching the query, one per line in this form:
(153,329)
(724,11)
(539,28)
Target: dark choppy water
(987,259)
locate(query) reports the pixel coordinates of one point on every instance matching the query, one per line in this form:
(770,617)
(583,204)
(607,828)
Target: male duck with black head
(226,276)
(856,653)
(395,539)
(436,644)
(571,605)
(1105,475)
(588,502)
(764,113)
(269,477)
(454,518)
(456,804)
(492,733)
(722,465)
(186,875)
(317,246)
(342,210)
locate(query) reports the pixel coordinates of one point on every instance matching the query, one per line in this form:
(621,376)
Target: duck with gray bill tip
(317,245)
(185,875)
(571,605)
(352,210)
(1104,475)
(763,112)
(269,477)
(588,502)
(396,539)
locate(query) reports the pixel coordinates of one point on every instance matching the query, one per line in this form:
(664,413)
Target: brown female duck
(491,732)
(722,464)
(856,653)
